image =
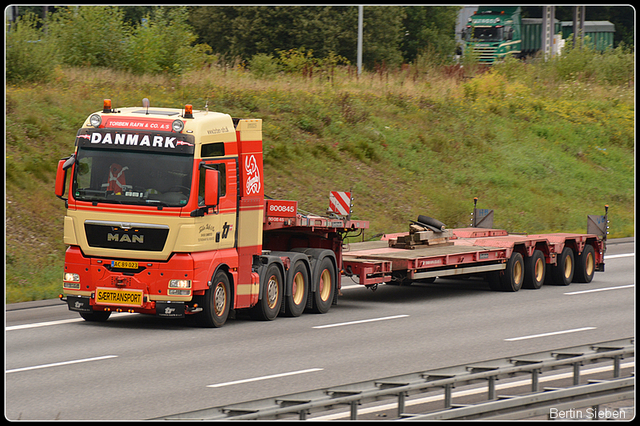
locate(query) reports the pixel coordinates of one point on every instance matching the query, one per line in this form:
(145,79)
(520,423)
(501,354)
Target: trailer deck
(469,251)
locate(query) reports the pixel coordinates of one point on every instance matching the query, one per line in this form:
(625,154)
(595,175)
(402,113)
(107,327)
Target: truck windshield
(486,34)
(130,177)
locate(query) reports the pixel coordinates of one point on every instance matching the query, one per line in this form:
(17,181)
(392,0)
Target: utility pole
(548,30)
(578,24)
(360,12)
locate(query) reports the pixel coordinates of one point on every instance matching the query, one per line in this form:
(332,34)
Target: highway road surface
(59,367)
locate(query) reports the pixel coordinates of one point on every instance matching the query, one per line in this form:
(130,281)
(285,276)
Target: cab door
(217,229)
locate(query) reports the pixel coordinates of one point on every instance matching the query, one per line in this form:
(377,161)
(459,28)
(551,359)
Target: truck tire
(96,316)
(297,290)
(585,265)
(216,303)
(534,270)
(493,278)
(513,276)
(269,305)
(325,287)
(562,272)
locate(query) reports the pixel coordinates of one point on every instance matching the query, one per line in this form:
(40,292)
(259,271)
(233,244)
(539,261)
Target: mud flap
(79,303)
(170,309)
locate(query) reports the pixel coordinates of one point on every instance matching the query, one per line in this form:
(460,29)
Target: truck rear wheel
(268,306)
(513,276)
(562,272)
(325,287)
(96,316)
(534,270)
(217,301)
(585,265)
(297,291)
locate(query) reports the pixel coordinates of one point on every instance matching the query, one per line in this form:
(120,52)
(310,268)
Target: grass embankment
(542,152)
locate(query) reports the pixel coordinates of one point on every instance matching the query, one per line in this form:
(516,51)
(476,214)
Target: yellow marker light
(106,105)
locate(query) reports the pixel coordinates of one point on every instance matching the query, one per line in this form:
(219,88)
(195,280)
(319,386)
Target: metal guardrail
(399,387)
(520,407)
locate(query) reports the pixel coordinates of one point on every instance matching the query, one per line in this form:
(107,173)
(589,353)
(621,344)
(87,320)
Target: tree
(244,31)
(89,35)
(429,28)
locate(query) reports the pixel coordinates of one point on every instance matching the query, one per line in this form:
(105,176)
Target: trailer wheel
(493,278)
(96,316)
(325,288)
(562,272)
(268,307)
(513,275)
(216,302)
(297,291)
(534,271)
(585,265)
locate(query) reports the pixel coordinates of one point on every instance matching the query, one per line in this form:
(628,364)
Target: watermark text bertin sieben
(587,414)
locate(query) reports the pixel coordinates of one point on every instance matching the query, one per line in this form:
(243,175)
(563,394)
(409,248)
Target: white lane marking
(273,376)
(42,324)
(58,322)
(440,397)
(600,289)
(360,321)
(553,333)
(56,364)
(615,256)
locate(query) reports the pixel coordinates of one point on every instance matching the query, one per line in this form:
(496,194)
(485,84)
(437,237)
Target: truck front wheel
(217,300)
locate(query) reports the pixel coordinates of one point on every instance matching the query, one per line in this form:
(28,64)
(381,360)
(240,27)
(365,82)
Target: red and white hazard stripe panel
(340,202)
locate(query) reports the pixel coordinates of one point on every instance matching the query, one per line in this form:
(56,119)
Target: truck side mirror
(211,187)
(61,174)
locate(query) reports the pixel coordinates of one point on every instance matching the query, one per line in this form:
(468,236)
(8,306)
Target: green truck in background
(494,32)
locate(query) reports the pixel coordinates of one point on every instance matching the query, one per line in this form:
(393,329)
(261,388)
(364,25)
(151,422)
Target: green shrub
(30,56)
(263,65)
(89,35)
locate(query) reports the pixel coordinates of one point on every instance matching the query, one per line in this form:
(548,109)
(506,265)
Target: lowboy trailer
(508,262)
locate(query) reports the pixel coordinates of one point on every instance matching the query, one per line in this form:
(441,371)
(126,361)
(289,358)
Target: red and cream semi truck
(167,215)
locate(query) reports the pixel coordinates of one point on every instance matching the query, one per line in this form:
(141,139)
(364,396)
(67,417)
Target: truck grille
(126,236)
(485,54)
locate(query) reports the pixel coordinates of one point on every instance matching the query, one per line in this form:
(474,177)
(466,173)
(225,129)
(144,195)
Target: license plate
(124,264)
(110,296)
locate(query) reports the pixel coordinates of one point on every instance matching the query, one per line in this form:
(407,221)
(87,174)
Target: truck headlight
(176,292)
(180,284)
(68,276)
(71,280)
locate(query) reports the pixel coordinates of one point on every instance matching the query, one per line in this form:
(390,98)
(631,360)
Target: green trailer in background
(598,34)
